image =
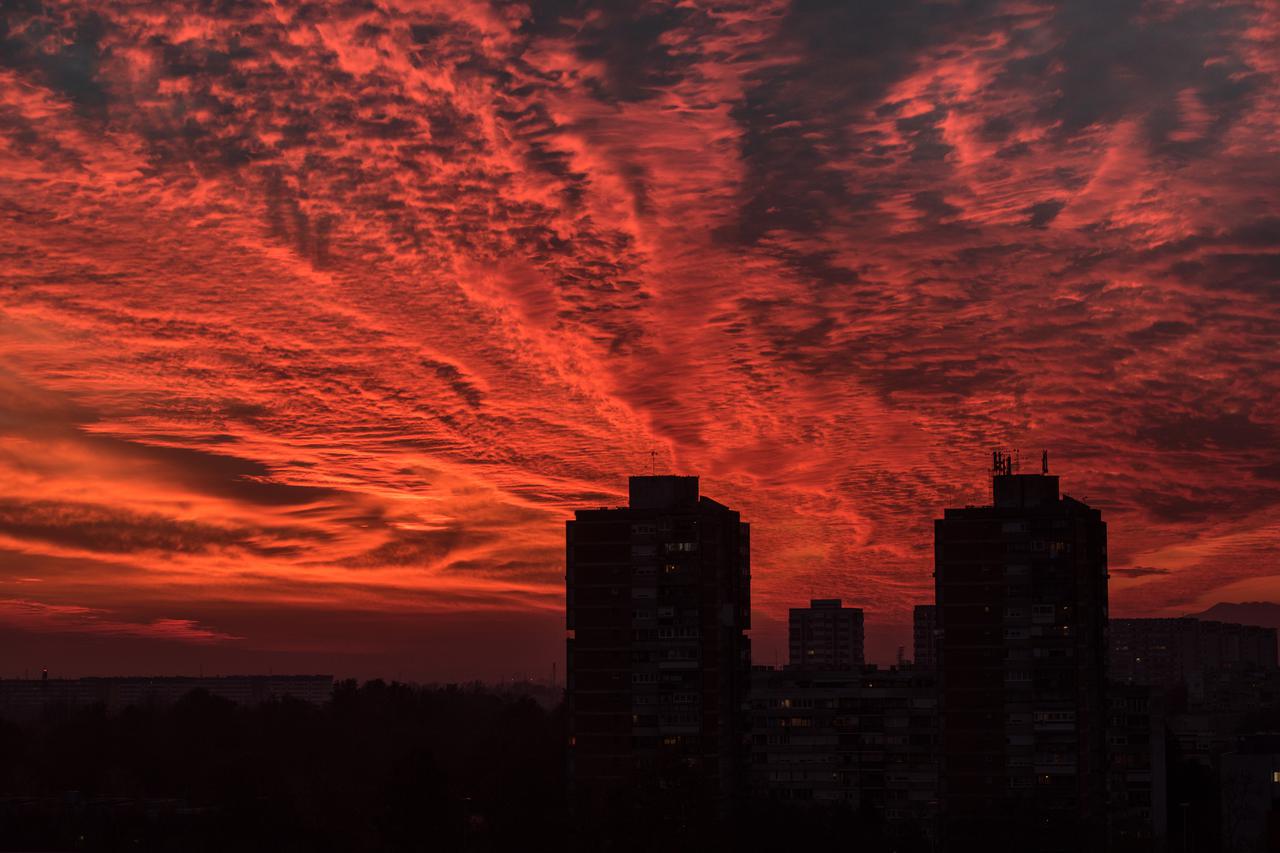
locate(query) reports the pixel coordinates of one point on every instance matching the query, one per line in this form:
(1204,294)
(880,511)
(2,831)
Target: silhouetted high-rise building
(658,662)
(826,636)
(1022,613)
(925,633)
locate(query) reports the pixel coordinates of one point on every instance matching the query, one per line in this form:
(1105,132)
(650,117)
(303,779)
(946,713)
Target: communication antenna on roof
(1044,462)
(653,463)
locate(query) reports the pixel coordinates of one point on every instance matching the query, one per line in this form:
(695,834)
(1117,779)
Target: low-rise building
(866,739)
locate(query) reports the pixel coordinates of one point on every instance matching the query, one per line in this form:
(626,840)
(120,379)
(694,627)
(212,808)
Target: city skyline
(1030,720)
(317,320)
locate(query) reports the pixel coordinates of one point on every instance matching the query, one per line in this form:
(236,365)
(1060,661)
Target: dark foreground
(383,767)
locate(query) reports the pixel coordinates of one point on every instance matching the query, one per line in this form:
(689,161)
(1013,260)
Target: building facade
(924,631)
(1249,787)
(826,636)
(658,600)
(1021,590)
(866,739)
(1137,817)
(1207,659)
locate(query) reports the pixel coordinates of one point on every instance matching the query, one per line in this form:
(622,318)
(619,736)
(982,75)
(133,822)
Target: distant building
(866,739)
(1249,783)
(1021,590)
(1137,816)
(27,698)
(826,636)
(1204,658)
(925,635)
(658,600)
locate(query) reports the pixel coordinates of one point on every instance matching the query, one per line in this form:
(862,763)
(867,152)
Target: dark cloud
(65,56)
(422,548)
(454,378)
(1257,273)
(631,38)
(1138,572)
(933,205)
(91,527)
(1042,213)
(1224,431)
(1115,60)
(1160,332)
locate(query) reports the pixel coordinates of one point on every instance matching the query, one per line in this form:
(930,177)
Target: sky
(317,320)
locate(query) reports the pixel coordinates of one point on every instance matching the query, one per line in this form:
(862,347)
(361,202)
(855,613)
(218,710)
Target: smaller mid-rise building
(826,636)
(1136,769)
(925,634)
(866,739)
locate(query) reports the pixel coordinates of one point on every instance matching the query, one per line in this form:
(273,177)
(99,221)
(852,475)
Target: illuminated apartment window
(1275,775)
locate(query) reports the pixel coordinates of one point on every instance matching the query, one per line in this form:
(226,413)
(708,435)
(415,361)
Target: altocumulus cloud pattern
(317,318)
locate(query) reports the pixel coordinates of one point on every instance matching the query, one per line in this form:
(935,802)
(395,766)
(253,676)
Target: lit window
(1275,775)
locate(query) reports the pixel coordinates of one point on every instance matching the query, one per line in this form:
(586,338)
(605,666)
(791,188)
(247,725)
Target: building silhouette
(826,636)
(1249,791)
(864,739)
(658,600)
(1021,591)
(924,625)
(1137,797)
(1202,657)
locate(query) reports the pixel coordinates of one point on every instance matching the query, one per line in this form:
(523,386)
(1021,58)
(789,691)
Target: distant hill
(1263,613)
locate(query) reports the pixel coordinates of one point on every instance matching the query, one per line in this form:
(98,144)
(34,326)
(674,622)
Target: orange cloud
(339,308)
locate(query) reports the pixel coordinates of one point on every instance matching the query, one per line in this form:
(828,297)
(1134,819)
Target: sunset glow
(317,321)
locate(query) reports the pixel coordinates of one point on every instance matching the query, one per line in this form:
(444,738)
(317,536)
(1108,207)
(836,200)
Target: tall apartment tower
(658,600)
(925,635)
(826,636)
(1022,613)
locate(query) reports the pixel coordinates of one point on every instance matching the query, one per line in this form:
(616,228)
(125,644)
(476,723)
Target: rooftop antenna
(653,463)
(1044,462)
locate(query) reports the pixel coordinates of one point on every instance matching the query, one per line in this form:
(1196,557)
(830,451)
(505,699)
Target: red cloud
(307,304)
